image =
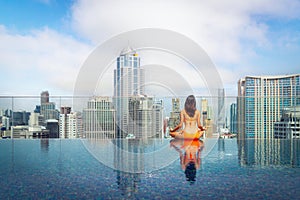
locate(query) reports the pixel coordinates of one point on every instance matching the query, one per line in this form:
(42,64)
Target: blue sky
(43,43)
(25,15)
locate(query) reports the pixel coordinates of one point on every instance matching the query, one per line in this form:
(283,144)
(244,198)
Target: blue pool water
(73,169)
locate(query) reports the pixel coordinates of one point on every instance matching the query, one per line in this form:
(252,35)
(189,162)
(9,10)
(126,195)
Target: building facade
(233,118)
(99,119)
(70,123)
(174,118)
(289,125)
(145,117)
(128,81)
(260,101)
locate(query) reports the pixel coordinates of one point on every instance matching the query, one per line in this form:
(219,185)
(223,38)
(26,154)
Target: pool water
(77,169)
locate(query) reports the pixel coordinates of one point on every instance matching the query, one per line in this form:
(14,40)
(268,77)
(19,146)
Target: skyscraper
(204,105)
(145,117)
(128,81)
(70,125)
(221,109)
(47,108)
(289,125)
(260,101)
(99,119)
(233,118)
(44,97)
(175,113)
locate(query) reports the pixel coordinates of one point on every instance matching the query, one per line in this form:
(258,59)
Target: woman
(190,118)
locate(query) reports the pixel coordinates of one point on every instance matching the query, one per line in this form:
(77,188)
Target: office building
(233,118)
(70,124)
(221,109)
(241,108)
(289,125)
(158,115)
(128,81)
(44,97)
(20,118)
(36,119)
(174,118)
(47,108)
(53,127)
(260,101)
(145,117)
(99,119)
(204,110)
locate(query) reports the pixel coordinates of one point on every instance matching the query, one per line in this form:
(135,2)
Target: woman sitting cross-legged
(190,118)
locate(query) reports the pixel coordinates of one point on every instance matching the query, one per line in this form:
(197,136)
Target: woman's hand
(202,128)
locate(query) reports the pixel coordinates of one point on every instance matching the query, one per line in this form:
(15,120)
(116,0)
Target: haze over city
(45,42)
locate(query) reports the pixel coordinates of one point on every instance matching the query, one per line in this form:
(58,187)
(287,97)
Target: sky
(44,43)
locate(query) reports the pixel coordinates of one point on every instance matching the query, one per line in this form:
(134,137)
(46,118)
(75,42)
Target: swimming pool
(81,169)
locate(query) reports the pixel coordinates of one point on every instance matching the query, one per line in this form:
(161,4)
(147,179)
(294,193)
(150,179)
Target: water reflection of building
(289,124)
(99,119)
(44,144)
(129,164)
(128,183)
(260,101)
(269,152)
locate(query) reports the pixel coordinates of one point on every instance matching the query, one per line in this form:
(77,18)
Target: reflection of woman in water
(190,118)
(189,153)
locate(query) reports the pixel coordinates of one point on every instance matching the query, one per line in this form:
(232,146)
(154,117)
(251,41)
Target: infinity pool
(122,169)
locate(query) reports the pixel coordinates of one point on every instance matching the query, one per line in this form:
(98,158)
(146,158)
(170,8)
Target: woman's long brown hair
(190,105)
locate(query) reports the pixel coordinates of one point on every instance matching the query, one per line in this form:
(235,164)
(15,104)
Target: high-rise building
(204,109)
(145,117)
(64,122)
(158,123)
(174,118)
(20,118)
(289,125)
(260,101)
(128,81)
(36,119)
(241,108)
(53,127)
(49,111)
(70,124)
(221,109)
(47,108)
(233,118)
(99,119)
(44,97)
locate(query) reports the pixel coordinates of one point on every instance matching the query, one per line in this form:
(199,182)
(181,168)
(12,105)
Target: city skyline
(247,38)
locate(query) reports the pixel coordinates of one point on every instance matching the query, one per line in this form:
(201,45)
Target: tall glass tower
(129,81)
(261,101)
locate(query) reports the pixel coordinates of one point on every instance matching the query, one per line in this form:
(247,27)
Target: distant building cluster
(44,122)
(266,107)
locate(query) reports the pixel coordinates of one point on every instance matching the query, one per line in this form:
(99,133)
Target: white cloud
(218,26)
(229,31)
(40,60)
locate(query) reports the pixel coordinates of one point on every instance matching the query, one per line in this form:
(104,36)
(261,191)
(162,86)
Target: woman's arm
(180,124)
(199,123)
